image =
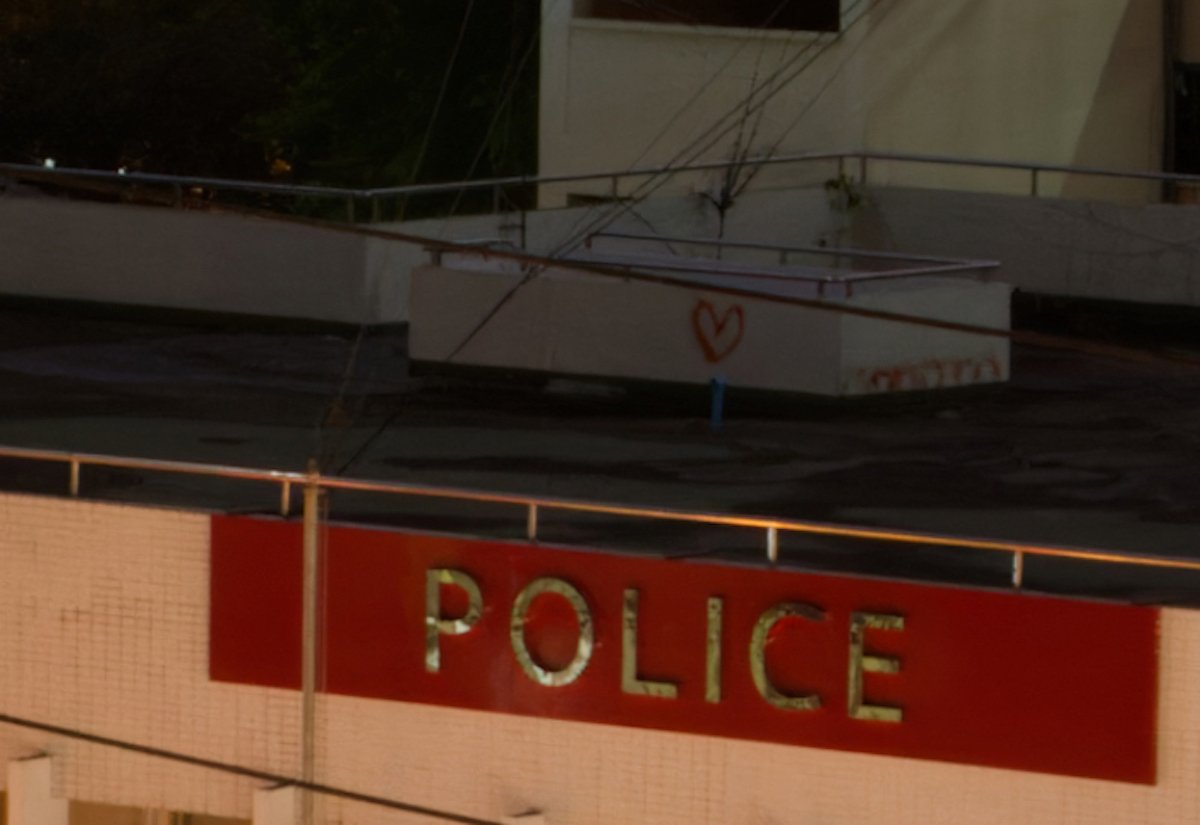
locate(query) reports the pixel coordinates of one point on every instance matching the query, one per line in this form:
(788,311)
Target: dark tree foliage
(363,101)
(328,91)
(160,85)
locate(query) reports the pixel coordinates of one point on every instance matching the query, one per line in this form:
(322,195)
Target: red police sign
(933,672)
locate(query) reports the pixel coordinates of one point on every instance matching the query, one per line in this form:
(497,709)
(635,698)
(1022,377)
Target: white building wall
(200,261)
(1070,82)
(1107,251)
(105,623)
(1189,30)
(192,260)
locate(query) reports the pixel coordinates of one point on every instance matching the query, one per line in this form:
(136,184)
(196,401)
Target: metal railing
(355,199)
(785,251)
(837,274)
(534,507)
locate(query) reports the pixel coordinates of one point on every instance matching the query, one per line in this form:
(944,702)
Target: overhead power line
(804,110)
(753,102)
(241,770)
(739,114)
(441,97)
(623,273)
(626,273)
(510,82)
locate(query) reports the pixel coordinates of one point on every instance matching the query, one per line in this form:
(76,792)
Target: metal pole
(772,544)
(308,664)
(1018,570)
(1033,181)
(531,523)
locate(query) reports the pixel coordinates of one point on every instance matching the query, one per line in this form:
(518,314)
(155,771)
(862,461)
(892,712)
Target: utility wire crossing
(274,779)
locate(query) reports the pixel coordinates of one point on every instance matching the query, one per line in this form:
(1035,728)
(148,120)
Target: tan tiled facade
(105,621)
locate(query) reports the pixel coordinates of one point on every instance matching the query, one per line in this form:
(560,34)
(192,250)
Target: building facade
(1075,82)
(133,623)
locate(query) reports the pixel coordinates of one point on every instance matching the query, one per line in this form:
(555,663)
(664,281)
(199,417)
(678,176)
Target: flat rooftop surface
(1076,450)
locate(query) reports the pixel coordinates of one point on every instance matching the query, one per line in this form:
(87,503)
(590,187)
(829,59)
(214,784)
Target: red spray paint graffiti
(931,374)
(718,336)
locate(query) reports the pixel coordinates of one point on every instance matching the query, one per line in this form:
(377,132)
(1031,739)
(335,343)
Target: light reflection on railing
(355,198)
(535,506)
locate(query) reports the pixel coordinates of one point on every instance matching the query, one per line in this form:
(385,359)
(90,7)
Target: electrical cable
(242,770)
(652,183)
(743,143)
(324,451)
(663,176)
(700,89)
(502,103)
(509,81)
(1040,340)
(441,97)
(772,86)
(626,273)
(808,107)
(681,158)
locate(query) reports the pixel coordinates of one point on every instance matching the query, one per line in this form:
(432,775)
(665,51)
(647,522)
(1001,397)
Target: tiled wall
(104,628)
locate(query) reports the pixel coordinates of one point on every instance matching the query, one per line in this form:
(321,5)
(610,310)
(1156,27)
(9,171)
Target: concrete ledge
(567,322)
(193,260)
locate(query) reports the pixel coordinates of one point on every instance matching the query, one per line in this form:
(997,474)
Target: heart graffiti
(718,336)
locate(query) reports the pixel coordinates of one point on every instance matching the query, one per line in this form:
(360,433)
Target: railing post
(1018,570)
(1033,181)
(285,498)
(350,209)
(862,169)
(308,659)
(772,544)
(74,478)
(531,523)
(616,187)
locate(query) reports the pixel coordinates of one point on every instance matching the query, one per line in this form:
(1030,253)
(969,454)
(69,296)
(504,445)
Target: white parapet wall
(1108,251)
(194,260)
(197,260)
(570,322)
(106,623)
